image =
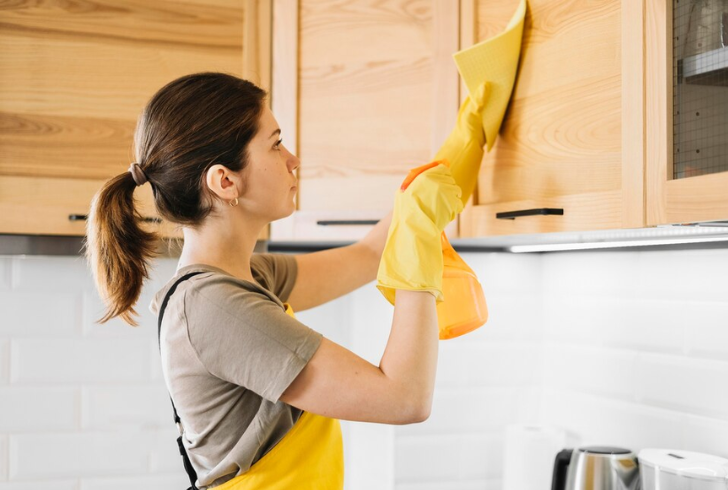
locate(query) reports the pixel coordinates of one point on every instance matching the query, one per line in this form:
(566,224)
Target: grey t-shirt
(229,351)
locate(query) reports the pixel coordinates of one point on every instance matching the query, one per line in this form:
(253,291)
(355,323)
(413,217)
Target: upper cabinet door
(687,117)
(364,90)
(74,81)
(572,140)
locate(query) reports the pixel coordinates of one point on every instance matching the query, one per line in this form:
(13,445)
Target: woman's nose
(294,162)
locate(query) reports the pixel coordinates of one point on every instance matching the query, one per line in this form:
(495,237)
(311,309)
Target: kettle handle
(561,466)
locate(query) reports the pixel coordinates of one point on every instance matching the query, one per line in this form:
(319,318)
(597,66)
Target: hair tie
(136,171)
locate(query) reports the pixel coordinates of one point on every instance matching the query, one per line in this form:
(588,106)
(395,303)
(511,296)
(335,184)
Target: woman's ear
(223,182)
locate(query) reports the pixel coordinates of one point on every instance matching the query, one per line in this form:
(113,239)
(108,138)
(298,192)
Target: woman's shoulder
(206,284)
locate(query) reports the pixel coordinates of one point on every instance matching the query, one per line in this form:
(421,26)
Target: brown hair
(190,124)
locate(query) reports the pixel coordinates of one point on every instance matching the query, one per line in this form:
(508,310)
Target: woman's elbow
(418,411)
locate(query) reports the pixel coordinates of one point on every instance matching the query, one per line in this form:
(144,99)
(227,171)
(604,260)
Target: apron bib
(309,457)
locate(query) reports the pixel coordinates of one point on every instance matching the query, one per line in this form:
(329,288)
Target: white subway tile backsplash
(3,458)
(706,330)
(586,369)
(369,322)
(173,481)
(496,364)
(581,321)
(38,409)
(54,484)
(506,364)
(620,348)
(468,456)
(6,267)
(645,325)
(77,455)
(706,435)
(32,313)
(511,317)
(594,274)
(94,310)
(501,273)
(683,275)
(329,319)
(694,386)
(475,409)
(596,420)
(452,485)
(51,274)
(79,360)
(368,456)
(4,361)
(147,407)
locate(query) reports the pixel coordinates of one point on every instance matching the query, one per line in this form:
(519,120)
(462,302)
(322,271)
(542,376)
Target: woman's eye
(278,144)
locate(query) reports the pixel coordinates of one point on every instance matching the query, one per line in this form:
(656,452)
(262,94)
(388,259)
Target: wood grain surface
(75,77)
(561,143)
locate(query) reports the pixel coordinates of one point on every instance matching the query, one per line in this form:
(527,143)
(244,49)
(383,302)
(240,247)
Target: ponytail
(118,250)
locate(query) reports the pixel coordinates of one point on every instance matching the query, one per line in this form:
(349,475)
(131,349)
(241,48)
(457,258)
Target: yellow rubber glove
(463,148)
(412,259)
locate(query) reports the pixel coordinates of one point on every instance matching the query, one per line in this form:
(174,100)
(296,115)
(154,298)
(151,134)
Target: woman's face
(269,178)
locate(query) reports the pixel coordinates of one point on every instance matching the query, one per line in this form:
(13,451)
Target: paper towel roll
(529,454)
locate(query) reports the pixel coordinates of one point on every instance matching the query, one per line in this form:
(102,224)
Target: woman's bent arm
(339,384)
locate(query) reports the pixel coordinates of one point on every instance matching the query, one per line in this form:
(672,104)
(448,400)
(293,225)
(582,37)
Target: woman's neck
(226,247)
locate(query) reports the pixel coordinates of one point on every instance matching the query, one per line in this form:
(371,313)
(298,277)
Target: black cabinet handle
(333,222)
(84,217)
(530,212)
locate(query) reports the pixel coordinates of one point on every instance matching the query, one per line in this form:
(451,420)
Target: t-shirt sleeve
(277,271)
(246,338)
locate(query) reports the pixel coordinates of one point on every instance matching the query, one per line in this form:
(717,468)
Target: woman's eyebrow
(274,132)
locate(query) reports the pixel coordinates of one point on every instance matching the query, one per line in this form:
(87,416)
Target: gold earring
(234,202)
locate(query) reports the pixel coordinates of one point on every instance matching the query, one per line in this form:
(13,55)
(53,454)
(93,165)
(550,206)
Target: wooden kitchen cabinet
(687,113)
(572,139)
(376,92)
(74,80)
(364,91)
(591,124)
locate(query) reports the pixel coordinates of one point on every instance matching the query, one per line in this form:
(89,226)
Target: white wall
(636,348)
(624,348)
(617,348)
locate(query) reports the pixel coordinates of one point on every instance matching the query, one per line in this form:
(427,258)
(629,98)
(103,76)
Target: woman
(259,394)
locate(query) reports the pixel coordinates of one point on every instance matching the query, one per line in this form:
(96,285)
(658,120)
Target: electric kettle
(596,468)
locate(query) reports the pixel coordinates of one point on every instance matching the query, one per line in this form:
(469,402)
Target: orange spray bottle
(464,308)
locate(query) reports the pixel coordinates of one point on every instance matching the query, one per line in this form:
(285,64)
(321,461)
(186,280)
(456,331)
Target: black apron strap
(185,459)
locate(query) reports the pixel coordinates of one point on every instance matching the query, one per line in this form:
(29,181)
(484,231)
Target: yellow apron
(309,457)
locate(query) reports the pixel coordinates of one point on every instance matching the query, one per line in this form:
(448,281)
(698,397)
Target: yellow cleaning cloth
(494,60)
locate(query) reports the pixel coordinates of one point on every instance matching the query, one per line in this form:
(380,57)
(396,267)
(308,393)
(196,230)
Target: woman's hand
(428,200)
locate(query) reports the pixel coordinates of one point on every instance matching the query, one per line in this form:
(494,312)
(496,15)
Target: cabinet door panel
(581,211)
(673,200)
(566,140)
(74,81)
(365,100)
(376,93)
